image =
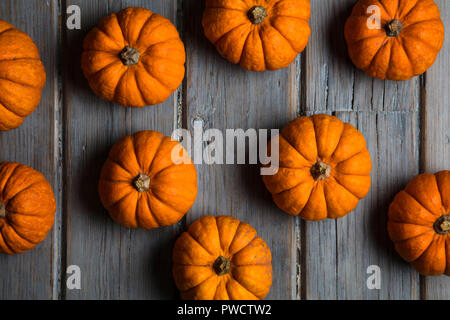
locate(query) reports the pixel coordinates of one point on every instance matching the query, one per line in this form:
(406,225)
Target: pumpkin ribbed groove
(2,210)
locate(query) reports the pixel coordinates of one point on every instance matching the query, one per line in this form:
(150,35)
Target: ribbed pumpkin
(22,76)
(410,36)
(258,34)
(134,57)
(324,168)
(27,208)
(221,258)
(419,223)
(148,181)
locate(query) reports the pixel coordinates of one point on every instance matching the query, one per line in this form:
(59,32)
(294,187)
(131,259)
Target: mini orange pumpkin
(419,223)
(134,57)
(27,208)
(221,258)
(22,76)
(258,34)
(148,181)
(324,168)
(410,36)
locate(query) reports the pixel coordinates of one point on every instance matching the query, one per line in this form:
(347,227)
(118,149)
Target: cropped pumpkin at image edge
(258,35)
(221,258)
(406,44)
(27,208)
(22,76)
(419,223)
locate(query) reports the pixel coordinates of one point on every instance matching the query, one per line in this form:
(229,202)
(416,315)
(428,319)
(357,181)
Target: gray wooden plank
(319,268)
(362,239)
(29,275)
(328,73)
(378,95)
(224,96)
(328,86)
(338,252)
(436,135)
(115,262)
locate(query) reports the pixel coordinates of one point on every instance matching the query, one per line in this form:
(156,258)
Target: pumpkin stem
(2,210)
(142,182)
(222,266)
(393,28)
(320,171)
(442,225)
(129,56)
(257,14)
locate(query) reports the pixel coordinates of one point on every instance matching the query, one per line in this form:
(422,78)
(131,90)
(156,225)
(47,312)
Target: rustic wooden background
(406,124)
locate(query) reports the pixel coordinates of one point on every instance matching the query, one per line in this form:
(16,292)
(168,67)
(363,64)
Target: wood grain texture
(436,134)
(29,275)
(223,96)
(362,238)
(115,262)
(329,76)
(338,252)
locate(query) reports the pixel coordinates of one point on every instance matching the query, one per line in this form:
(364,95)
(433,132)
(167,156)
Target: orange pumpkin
(406,42)
(134,57)
(419,223)
(221,258)
(258,34)
(27,208)
(148,181)
(324,168)
(22,76)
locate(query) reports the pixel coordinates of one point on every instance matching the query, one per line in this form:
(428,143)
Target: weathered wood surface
(116,262)
(406,125)
(31,275)
(338,252)
(222,95)
(436,135)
